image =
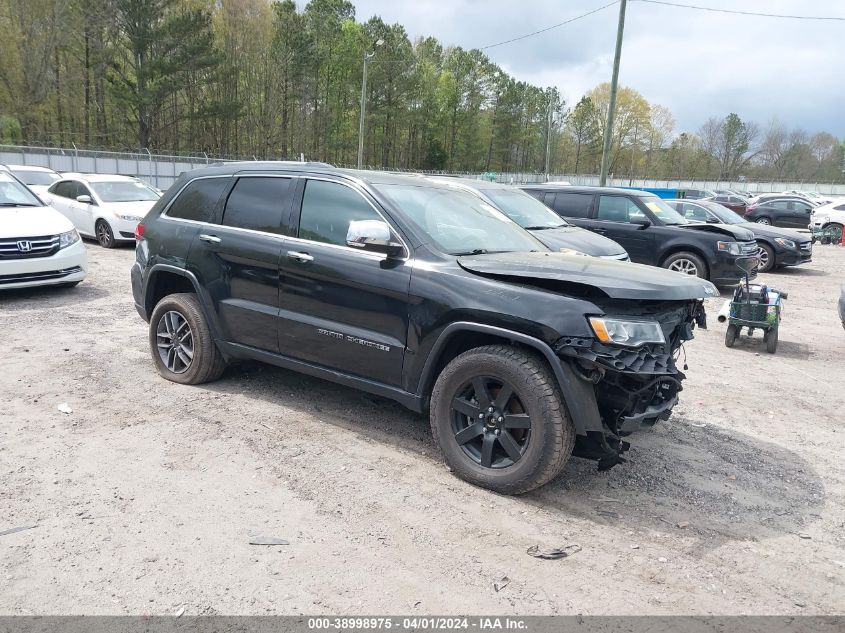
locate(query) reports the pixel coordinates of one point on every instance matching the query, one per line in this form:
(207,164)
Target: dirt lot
(146,495)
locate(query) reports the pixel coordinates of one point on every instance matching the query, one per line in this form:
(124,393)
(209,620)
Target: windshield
(14,194)
(459,223)
(723,213)
(32,177)
(123,191)
(523,209)
(663,211)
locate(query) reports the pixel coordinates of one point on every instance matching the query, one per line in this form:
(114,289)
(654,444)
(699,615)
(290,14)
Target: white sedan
(107,208)
(36,178)
(38,245)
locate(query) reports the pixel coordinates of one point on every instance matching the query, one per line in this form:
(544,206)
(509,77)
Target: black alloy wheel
(489,422)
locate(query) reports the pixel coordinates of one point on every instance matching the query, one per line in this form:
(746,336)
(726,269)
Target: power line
(752,13)
(549,28)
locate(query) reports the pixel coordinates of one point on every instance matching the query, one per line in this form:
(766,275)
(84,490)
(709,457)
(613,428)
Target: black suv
(414,291)
(651,231)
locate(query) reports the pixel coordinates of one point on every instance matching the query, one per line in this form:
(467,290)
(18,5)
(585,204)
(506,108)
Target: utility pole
(614,85)
(367,57)
(548,135)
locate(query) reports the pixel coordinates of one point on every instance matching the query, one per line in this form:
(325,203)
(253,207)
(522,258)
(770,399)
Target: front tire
(105,236)
(181,344)
(499,419)
(765,221)
(686,263)
(767,258)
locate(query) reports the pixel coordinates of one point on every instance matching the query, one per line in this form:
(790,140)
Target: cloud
(697,63)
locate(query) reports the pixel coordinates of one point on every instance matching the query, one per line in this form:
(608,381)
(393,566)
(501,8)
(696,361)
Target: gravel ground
(145,497)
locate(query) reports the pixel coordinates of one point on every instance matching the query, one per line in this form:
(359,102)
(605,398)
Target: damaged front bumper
(631,388)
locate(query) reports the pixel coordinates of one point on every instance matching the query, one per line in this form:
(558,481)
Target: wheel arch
(459,337)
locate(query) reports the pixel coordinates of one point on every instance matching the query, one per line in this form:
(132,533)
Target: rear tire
(181,344)
(764,220)
(731,335)
(526,439)
(686,263)
(105,236)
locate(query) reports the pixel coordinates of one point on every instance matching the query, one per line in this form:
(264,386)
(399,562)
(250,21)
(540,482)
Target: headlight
(785,242)
(627,333)
(68,239)
(572,251)
(729,247)
(130,218)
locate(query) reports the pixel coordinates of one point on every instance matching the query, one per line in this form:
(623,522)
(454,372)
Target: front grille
(806,246)
(748,248)
(43,275)
(28,247)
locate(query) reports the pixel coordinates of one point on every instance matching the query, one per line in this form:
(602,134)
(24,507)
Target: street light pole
(367,57)
(614,84)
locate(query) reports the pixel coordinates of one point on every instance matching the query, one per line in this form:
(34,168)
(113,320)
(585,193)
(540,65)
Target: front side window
(65,189)
(327,210)
(618,209)
(258,203)
(198,199)
(459,223)
(662,211)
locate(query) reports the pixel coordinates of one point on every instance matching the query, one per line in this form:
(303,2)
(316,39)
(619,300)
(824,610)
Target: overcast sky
(697,63)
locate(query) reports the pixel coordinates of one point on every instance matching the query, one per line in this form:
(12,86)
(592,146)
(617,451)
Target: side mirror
(641,222)
(84,199)
(374,236)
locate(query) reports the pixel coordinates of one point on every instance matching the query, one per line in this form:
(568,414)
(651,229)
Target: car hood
(578,239)
(590,276)
(729,230)
(32,222)
(772,231)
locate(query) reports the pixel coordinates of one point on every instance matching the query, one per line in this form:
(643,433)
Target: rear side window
(573,205)
(198,199)
(258,203)
(327,210)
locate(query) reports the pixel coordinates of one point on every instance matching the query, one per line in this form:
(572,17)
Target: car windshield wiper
(477,251)
(543,227)
(17,204)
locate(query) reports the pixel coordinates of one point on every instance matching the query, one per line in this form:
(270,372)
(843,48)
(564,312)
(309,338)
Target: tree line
(262,78)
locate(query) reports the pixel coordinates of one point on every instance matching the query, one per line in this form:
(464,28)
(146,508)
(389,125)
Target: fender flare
(578,394)
(168,268)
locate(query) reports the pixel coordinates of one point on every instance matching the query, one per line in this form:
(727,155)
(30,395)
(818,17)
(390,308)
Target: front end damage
(634,387)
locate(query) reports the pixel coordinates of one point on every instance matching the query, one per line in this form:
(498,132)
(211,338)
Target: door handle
(303,258)
(210,239)
(602,231)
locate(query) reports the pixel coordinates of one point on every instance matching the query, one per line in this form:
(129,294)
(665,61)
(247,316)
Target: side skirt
(406,399)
